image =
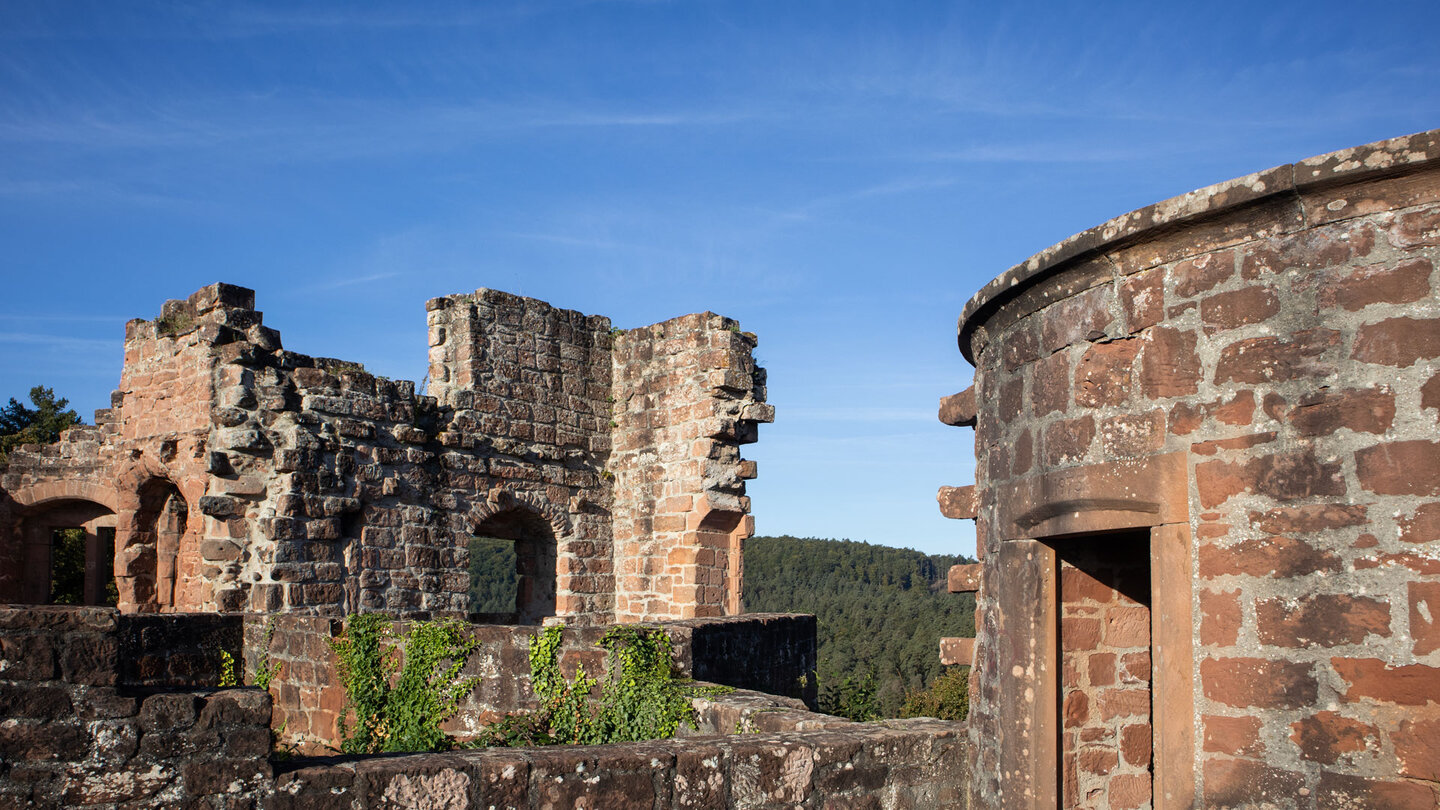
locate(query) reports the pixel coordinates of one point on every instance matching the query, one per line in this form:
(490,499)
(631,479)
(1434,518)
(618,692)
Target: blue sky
(841,177)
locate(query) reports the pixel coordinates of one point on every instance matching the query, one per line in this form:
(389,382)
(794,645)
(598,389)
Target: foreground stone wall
(896,765)
(85,725)
(1247,377)
(241,476)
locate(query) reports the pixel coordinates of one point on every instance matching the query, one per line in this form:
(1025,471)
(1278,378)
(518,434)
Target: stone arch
(68,490)
(536,539)
(59,536)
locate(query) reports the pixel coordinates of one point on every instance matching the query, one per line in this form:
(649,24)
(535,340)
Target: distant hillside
(881,613)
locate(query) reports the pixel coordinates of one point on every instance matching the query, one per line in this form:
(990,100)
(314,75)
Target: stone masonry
(239,476)
(1207,499)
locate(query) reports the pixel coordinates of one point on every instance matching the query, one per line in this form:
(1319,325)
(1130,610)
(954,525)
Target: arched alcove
(531,544)
(160,523)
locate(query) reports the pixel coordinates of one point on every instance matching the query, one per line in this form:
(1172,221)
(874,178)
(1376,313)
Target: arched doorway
(513,552)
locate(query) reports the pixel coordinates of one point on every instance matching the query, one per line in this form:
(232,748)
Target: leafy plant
(853,697)
(227,670)
(639,697)
(948,697)
(266,670)
(399,697)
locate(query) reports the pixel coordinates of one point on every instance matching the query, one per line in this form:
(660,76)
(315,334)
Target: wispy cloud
(348,281)
(63,342)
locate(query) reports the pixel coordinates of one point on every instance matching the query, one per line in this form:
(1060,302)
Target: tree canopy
(41,424)
(880,613)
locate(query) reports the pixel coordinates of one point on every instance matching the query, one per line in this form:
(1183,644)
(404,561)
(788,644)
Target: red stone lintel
(957,651)
(964,578)
(958,410)
(958,503)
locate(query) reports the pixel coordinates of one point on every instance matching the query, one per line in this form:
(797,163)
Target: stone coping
(1396,156)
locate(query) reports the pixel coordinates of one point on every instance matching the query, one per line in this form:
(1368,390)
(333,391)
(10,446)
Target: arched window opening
(512,569)
(162,520)
(69,554)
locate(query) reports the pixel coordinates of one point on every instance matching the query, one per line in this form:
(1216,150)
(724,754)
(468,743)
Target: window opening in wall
(67,566)
(532,550)
(104,567)
(1105,650)
(493,579)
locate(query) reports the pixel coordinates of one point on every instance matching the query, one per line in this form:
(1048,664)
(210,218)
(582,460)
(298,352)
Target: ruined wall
(1248,376)
(687,395)
(766,652)
(244,476)
(79,733)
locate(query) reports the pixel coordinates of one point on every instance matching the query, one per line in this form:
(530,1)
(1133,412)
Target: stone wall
(242,476)
(778,657)
(80,731)
(896,765)
(1247,375)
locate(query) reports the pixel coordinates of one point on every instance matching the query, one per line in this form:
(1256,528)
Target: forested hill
(880,612)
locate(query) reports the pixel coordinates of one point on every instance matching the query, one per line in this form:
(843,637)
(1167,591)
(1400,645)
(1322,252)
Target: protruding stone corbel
(958,503)
(958,410)
(957,651)
(963,578)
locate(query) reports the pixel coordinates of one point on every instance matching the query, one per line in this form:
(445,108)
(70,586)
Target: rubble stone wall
(79,731)
(1251,375)
(894,765)
(770,653)
(245,477)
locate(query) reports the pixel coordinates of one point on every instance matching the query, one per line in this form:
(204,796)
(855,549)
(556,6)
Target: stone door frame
(1145,494)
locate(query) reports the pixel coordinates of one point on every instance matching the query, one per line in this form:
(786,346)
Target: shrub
(948,697)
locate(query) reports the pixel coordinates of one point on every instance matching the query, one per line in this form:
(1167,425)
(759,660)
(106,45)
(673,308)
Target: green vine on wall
(399,696)
(639,698)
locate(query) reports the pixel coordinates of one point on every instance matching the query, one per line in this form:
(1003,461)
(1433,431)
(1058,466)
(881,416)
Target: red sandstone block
(1423,526)
(1203,273)
(1104,373)
(1078,585)
(1398,341)
(958,410)
(1412,685)
(1245,783)
(1076,709)
(1274,359)
(957,651)
(1124,701)
(1143,297)
(1325,620)
(1406,282)
(1101,668)
(1050,384)
(1079,634)
(1135,667)
(1309,518)
(1363,410)
(1169,365)
(1400,468)
(1021,346)
(1210,448)
(1132,435)
(1098,759)
(1186,418)
(1326,736)
(1127,627)
(1430,393)
(1258,682)
(1230,310)
(1424,603)
(958,503)
(1281,557)
(1417,749)
(1236,736)
(1219,618)
(1069,440)
(1084,316)
(1135,744)
(1130,791)
(1012,400)
(964,578)
(1342,790)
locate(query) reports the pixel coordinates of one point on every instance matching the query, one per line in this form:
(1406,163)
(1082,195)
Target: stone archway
(535,554)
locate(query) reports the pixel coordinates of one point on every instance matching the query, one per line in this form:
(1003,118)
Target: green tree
(41,424)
